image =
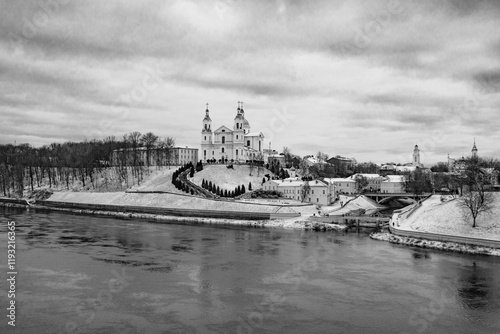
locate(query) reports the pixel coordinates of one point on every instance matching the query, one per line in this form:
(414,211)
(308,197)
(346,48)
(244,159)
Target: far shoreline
(262,223)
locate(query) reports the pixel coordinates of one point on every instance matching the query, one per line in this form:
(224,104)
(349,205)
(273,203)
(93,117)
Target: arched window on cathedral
(248,142)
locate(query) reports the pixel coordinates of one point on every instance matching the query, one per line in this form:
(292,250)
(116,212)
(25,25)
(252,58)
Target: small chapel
(238,144)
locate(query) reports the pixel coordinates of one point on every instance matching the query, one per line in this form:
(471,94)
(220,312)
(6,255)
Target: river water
(85,274)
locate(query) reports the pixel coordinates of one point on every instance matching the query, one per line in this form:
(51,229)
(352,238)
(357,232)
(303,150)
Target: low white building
(316,191)
(342,186)
(374,181)
(393,184)
(271,185)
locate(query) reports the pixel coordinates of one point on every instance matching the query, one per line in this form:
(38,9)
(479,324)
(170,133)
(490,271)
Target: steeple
(474,149)
(207,121)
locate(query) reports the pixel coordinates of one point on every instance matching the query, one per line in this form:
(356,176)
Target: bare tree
(149,140)
(418,182)
(361,183)
(305,190)
(475,203)
(287,153)
(304,167)
(475,199)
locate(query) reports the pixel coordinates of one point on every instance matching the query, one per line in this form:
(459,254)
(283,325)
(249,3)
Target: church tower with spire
(238,131)
(206,133)
(474,149)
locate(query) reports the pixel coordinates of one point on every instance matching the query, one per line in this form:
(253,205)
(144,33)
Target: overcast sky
(365,79)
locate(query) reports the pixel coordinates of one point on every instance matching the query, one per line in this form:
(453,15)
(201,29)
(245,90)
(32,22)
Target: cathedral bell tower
(206,132)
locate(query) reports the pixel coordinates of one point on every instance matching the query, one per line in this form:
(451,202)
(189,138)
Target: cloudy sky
(359,78)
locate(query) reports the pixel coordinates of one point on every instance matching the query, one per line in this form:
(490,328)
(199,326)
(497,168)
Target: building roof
(394,178)
(339,179)
(368,176)
(292,182)
(254,134)
(406,168)
(223,127)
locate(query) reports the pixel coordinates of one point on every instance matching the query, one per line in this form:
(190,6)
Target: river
(86,274)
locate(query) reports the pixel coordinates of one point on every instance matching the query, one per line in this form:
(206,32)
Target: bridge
(382,198)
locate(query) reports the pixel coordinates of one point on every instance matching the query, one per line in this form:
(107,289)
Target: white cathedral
(238,144)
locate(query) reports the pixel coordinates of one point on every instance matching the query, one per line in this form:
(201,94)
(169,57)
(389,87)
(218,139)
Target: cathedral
(238,144)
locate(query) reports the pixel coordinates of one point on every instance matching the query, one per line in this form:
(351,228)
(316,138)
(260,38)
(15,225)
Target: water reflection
(475,290)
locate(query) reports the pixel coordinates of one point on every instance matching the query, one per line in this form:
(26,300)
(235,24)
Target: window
(259,144)
(223,130)
(248,142)
(205,137)
(223,150)
(236,136)
(236,151)
(317,199)
(205,152)
(323,192)
(223,139)
(312,191)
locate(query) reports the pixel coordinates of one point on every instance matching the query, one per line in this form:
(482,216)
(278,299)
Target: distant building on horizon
(457,165)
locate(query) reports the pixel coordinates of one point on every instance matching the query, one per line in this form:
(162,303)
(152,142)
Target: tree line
(24,167)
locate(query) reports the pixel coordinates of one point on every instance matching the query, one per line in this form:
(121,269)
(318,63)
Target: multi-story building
(141,156)
(393,184)
(238,144)
(342,164)
(342,186)
(184,155)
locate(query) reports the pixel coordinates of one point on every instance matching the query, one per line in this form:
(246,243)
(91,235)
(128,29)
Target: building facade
(316,191)
(141,156)
(237,144)
(393,184)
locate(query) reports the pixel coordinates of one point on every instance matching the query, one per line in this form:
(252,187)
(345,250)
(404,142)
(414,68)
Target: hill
(447,217)
(229,179)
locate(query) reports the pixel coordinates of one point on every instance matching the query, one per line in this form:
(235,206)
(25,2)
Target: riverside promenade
(407,223)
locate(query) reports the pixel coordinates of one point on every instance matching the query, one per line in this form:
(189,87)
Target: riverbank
(439,223)
(444,246)
(275,223)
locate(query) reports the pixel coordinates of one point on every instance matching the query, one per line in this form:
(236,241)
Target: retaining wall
(170,211)
(445,238)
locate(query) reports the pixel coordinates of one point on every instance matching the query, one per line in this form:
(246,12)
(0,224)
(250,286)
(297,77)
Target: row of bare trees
(24,167)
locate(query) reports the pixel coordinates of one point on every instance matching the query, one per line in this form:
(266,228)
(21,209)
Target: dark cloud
(358,76)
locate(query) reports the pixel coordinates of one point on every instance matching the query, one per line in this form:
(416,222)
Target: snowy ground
(229,179)
(447,218)
(158,180)
(360,202)
(164,201)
